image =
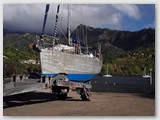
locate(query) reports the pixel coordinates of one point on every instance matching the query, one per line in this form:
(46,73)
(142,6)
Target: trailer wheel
(85,98)
(59,92)
(62,96)
(85,94)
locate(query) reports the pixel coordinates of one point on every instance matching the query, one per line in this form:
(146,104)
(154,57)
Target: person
(77,49)
(55,88)
(43,78)
(97,55)
(21,76)
(14,79)
(49,78)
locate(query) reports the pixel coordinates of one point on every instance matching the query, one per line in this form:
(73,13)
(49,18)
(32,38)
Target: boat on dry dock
(67,59)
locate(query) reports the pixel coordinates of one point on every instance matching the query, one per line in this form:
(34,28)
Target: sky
(128,17)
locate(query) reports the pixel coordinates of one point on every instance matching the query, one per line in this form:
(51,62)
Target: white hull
(107,75)
(55,62)
(146,76)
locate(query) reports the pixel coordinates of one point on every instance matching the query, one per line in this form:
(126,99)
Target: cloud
(98,15)
(23,17)
(131,10)
(29,17)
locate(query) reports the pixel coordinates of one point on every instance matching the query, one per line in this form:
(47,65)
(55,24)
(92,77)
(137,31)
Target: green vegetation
(131,63)
(14,61)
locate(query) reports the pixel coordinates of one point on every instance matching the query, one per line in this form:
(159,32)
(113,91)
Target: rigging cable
(56,23)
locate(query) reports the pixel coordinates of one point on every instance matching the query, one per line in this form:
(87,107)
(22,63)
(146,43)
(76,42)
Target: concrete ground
(43,103)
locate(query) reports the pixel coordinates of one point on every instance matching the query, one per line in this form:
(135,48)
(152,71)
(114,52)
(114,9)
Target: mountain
(114,42)
(124,40)
(18,40)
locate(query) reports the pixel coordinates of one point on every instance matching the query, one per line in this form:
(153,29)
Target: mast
(86,40)
(107,69)
(99,50)
(45,18)
(145,71)
(69,22)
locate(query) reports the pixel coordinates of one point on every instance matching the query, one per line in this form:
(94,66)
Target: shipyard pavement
(43,103)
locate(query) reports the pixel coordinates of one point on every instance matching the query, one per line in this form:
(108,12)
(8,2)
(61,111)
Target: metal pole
(69,31)
(150,76)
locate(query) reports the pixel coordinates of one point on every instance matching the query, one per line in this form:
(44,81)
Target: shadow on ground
(149,93)
(30,98)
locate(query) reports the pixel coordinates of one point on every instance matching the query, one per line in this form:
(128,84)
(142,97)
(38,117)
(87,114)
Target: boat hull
(76,67)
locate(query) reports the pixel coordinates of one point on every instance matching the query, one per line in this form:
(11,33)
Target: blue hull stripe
(80,77)
(75,77)
(49,74)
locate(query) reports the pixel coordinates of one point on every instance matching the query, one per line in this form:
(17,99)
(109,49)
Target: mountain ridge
(120,41)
